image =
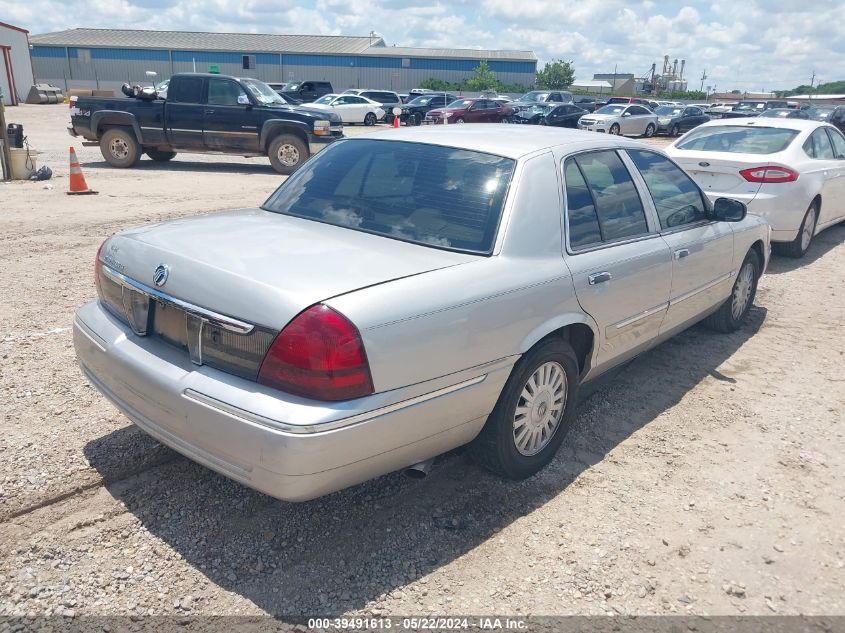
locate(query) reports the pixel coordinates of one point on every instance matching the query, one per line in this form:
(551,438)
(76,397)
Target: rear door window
(618,208)
(185,90)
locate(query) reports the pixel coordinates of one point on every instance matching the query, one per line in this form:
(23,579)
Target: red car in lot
(463,110)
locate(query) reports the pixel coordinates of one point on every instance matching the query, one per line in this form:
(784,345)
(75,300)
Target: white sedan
(620,119)
(789,171)
(350,108)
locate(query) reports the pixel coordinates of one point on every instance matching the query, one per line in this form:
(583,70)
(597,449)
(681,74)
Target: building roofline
(13,27)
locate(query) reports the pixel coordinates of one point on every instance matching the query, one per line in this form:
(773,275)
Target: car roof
(502,139)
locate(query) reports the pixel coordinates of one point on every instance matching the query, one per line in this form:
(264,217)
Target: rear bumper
(291,448)
(783,211)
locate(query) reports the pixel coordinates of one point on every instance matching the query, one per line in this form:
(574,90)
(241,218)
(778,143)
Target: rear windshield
(435,196)
(738,140)
(611,109)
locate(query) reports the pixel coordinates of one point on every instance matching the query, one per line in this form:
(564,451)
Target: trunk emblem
(160,275)
(704,164)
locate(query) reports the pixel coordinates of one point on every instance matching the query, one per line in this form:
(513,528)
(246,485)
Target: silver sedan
(621,119)
(366,320)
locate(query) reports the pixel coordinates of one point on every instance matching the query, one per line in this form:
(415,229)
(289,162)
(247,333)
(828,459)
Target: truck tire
(287,153)
(120,148)
(160,156)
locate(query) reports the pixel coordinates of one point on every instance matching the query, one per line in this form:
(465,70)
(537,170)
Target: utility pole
(703,77)
(812,81)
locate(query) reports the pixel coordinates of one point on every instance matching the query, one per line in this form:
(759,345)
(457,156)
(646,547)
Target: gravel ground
(707,478)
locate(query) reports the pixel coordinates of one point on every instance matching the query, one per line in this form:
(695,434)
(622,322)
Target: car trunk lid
(716,174)
(263,267)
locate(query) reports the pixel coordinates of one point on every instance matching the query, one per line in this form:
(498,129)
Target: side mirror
(729,210)
(626,114)
(243,100)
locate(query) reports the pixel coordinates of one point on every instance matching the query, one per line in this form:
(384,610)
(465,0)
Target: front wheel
(120,148)
(799,246)
(287,153)
(732,313)
(459,120)
(533,413)
(160,156)
(673,131)
(649,130)
(415,119)
(370,119)
(614,129)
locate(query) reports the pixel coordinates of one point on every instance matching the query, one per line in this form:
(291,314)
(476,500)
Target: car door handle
(681,253)
(209,111)
(599,278)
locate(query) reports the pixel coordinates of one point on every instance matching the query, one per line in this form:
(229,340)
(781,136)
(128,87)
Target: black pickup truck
(205,113)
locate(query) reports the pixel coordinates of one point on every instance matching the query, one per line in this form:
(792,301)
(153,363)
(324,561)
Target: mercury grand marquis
(406,293)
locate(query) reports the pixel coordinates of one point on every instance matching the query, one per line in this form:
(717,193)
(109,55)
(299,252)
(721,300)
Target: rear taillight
(97,269)
(769,173)
(318,355)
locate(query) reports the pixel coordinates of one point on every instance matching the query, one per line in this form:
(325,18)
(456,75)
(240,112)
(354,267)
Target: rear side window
(676,198)
(185,90)
(614,199)
(818,145)
(738,140)
(426,194)
(838,142)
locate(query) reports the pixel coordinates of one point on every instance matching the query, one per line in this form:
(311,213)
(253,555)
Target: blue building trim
(48,51)
(340,61)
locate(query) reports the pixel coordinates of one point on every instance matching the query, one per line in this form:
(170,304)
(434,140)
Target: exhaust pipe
(420,470)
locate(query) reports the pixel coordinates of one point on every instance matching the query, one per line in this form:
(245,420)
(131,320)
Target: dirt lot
(706,479)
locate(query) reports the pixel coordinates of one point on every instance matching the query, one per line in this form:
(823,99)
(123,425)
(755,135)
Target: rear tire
(798,247)
(160,156)
(506,444)
(370,119)
(732,313)
(287,153)
(120,148)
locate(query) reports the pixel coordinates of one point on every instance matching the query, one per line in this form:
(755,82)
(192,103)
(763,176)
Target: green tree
(556,75)
(482,78)
(433,83)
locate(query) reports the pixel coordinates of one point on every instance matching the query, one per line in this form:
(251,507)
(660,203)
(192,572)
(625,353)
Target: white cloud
(751,44)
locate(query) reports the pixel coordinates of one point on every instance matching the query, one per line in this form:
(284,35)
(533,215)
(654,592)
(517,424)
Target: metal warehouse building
(105,58)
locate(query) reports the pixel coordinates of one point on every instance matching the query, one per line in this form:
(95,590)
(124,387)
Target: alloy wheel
(118,148)
(539,409)
(742,290)
(808,229)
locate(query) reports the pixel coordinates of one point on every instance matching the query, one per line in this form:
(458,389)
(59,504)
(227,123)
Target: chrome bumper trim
(218,320)
(301,429)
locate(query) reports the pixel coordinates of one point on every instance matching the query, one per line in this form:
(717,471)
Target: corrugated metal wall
(20,67)
(110,67)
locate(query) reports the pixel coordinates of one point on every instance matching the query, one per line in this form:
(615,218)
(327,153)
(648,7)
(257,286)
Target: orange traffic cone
(78,186)
(395,121)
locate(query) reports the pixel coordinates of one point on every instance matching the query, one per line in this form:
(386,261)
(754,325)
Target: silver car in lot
(621,119)
(364,319)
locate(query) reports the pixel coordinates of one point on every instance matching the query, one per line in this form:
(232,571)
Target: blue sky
(747,44)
